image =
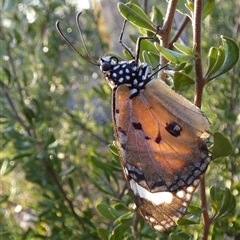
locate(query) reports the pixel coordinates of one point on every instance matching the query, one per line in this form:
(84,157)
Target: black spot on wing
(174,129)
(121,130)
(137,126)
(158,138)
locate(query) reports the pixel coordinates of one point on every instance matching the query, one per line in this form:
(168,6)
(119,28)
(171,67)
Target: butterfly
(161,139)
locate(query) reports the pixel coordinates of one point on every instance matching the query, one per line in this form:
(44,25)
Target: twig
(145,6)
(205,216)
(18,118)
(14,72)
(167,26)
(200,82)
(54,177)
(179,31)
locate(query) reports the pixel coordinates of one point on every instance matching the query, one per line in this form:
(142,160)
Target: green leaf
(148,46)
(101,90)
(187,7)
(102,233)
(121,207)
(222,147)
(22,145)
(120,229)
(181,80)
(192,217)
(208,6)
(218,61)
(190,6)
(222,201)
(172,56)
(182,7)
(183,49)
(5,75)
(228,204)
(67,171)
(197,211)
(101,187)
(127,217)
(20,156)
(189,219)
(17,36)
(107,211)
(51,141)
(38,110)
(188,68)
(149,59)
(99,163)
(4,198)
(180,236)
(134,14)
(29,113)
(113,149)
(156,16)
(212,58)
(231,57)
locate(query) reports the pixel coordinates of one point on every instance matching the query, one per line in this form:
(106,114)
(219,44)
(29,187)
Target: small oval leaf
(231,56)
(181,80)
(212,58)
(222,147)
(172,56)
(134,14)
(218,63)
(156,16)
(222,201)
(183,49)
(107,211)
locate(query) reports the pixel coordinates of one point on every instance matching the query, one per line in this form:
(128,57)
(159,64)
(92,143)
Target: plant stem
(167,26)
(56,181)
(15,112)
(179,31)
(200,82)
(166,30)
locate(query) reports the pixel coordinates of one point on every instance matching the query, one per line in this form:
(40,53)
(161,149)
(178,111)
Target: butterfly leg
(123,44)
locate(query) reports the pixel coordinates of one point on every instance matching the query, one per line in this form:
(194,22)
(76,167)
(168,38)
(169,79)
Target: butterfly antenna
(71,45)
(82,38)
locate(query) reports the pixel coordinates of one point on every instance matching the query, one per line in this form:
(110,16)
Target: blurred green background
(60,176)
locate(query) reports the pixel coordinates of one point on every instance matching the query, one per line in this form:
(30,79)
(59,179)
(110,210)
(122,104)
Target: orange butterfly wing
(161,139)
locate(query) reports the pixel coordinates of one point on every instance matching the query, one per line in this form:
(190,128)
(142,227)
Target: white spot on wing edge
(159,228)
(125,171)
(190,189)
(156,198)
(180,194)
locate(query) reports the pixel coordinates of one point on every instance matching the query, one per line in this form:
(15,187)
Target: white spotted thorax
(161,138)
(133,73)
